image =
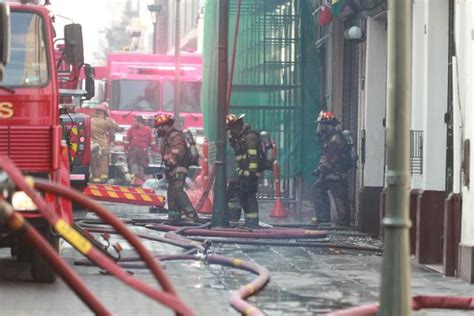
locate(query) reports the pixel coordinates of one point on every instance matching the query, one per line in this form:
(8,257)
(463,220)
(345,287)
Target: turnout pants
(178,200)
(242,194)
(100,165)
(320,199)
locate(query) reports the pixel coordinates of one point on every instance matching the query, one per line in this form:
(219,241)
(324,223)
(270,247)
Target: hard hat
(163,119)
(103,107)
(326,117)
(231,119)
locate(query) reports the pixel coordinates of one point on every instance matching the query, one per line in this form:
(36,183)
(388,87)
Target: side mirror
(89,81)
(4,36)
(74,45)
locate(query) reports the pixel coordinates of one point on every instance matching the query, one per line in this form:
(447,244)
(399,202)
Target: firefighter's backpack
(192,153)
(352,156)
(265,152)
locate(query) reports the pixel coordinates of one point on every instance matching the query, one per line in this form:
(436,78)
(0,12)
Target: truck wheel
(41,270)
(21,250)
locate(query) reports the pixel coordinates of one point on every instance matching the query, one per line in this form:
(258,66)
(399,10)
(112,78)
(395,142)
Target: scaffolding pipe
(395,289)
(220,213)
(177,56)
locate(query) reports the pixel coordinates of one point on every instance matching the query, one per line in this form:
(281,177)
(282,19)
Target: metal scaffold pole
(395,298)
(177,51)
(220,216)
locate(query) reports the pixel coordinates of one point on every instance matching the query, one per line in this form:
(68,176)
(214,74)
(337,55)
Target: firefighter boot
(251,220)
(235,209)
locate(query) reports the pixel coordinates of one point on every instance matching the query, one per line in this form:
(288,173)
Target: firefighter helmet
(231,119)
(326,117)
(163,119)
(104,107)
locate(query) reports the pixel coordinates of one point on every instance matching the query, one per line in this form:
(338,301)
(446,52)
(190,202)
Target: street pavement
(304,280)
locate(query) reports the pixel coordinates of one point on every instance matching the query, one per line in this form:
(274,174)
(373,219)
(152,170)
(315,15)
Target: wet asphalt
(304,280)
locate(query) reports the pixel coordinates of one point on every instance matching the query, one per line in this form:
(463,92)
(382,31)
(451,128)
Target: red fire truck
(144,84)
(76,126)
(30,130)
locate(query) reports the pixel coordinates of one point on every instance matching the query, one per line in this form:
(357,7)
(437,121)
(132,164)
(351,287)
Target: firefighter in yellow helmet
(102,130)
(242,190)
(331,173)
(174,155)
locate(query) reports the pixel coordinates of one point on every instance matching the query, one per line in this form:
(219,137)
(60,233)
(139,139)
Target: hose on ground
(16,222)
(289,244)
(243,233)
(168,298)
(237,300)
(419,302)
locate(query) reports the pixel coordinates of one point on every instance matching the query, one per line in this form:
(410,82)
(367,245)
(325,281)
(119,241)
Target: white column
(465,66)
(375,101)
(436,81)
(418,71)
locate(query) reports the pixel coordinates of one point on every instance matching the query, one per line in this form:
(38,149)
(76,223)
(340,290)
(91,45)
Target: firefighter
(102,130)
(244,141)
(139,138)
(331,172)
(174,155)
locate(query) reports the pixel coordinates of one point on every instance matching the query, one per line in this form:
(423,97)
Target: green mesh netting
(276,80)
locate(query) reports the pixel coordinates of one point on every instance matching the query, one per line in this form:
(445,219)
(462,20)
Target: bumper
(79,177)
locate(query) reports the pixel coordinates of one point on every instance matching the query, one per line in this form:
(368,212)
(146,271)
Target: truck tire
(21,250)
(41,270)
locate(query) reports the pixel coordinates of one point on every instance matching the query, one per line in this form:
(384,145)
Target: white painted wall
(435,105)
(464,30)
(375,102)
(429,89)
(418,70)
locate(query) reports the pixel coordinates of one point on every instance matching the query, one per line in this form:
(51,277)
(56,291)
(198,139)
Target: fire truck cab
(30,130)
(144,84)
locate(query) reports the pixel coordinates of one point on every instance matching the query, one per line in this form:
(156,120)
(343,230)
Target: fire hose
(237,299)
(16,222)
(78,241)
(418,303)
(243,233)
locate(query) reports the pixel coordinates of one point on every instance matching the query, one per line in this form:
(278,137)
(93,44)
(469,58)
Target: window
(134,95)
(190,97)
(28,64)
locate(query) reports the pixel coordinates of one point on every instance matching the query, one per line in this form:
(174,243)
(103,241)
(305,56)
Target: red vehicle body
(76,126)
(143,84)
(30,130)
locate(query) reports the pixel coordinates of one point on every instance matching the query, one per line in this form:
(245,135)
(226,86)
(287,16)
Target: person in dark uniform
(244,187)
(331,172)
(174,155)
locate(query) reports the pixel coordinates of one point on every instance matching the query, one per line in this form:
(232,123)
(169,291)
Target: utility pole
(395,298)
(177,83)
(220,213)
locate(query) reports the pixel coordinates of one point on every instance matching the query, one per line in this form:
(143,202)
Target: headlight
(22,202)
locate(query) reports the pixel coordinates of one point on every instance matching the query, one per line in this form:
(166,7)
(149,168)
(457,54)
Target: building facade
(354,74)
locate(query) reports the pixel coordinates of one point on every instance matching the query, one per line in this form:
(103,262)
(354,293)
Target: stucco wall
(375,102)
(464,26)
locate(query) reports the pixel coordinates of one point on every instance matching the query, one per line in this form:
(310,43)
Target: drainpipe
(177,48)
(220,213)
(395,289)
